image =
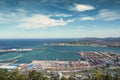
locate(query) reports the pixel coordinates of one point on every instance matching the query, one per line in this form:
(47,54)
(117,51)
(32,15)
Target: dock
(100,58)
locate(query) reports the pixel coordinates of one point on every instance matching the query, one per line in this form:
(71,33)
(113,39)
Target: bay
(49,53)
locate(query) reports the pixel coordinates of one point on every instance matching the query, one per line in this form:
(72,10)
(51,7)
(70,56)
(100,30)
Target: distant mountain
(103,39)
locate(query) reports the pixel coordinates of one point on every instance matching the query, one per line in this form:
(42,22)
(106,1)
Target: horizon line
(61,38)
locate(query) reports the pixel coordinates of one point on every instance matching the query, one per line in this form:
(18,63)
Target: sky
(59,18)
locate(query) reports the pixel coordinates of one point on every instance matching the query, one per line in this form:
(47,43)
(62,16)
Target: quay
(48,66)
(101,58)
(63,66)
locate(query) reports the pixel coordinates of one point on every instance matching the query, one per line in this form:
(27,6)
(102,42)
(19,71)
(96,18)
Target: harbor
(89,60)
(101,58)
(61,66)
(80,68)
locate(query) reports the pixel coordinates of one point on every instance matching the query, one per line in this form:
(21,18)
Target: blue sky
(59,18)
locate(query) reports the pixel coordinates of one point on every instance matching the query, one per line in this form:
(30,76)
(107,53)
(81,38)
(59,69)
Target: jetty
(21,49)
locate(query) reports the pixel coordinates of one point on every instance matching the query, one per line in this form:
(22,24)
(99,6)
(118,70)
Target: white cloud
(11,17)
(82,7)
(21,11)
(87,18)
(5,18)
(1,14)
(62,15)
(108,15)
(41,21)
(21,19)
(104,14)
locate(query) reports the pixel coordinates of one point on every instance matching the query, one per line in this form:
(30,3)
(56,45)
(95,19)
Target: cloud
(82,7)
(22,20)
(5,18)
(108,15)
(21,11)
(41,21)
(62,15)
(10,17)
(104,15)
(87,18)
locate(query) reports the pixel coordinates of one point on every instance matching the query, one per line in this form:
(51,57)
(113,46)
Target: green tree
(45,78)
(34,75)
(14,75)
(63,78)
(117,77)
(71,78)
(3,74)
(23,77)
(108,77)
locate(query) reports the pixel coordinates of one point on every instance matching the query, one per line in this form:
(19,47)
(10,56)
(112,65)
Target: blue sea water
(49,53)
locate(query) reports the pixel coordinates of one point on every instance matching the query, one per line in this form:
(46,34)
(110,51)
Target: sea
(46,51)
